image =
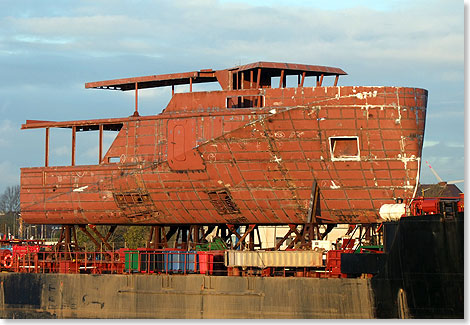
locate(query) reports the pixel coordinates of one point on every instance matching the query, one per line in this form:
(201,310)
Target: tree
(136,236)
(10,210)
(10,200)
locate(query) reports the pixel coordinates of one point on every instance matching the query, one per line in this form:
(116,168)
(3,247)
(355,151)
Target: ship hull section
(360,145)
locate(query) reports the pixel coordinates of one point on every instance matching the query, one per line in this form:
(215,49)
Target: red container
(211,262)
(333,263)
(206,262)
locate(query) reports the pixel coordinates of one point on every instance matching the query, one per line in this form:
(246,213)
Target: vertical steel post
(157,243)
(149,241)
(336,79)
(251,239)
(190,84)
(100,153)
(74,234)
(194,233)
(46,162)
(184,237)
(281,79)
(258,78)
(68,237)
(74,131)
(136,113)
(303,79)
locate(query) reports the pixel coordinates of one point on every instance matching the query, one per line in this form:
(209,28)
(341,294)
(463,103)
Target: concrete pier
(177,296)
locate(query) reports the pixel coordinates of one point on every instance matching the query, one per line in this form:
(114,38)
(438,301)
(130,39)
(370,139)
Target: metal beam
(74,133)
(46,162)
(281,79)
(87,233)
(279,243)
(100,153)
(136,113)
(303,79)
(97,233)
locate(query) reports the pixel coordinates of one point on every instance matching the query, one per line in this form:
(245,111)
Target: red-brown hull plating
(361,145)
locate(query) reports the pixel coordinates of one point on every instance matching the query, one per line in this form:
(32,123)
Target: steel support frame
(371,233)
(249,232)
(157,238)
(102,240)
(189,236)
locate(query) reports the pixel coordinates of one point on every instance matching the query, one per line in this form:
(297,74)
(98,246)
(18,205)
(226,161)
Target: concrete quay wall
(181,297)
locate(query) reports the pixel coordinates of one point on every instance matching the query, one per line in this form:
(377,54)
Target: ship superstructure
(254,152)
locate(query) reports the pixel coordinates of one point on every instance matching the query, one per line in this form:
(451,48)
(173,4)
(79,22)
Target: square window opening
(344,148)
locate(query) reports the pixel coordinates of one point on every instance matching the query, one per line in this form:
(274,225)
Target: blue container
(180,261)
(172,260)
(189,261)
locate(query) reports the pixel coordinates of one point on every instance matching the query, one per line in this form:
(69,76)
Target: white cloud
(209,27)
(456,144)
(429,143)
(446,113)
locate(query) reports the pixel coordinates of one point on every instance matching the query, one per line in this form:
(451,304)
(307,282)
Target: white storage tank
(392,212)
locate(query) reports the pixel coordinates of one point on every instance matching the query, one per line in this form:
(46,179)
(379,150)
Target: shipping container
(262,259)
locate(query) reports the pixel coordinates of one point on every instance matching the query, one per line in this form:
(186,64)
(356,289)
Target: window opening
(245,101)
(344,148)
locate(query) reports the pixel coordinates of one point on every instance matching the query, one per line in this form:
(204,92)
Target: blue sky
(49,49)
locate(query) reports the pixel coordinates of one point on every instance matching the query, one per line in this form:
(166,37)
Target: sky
(49,49)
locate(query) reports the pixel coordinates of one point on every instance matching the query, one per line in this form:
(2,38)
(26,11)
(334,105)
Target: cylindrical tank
(392,212)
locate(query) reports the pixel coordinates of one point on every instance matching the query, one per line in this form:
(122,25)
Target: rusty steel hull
(199,162)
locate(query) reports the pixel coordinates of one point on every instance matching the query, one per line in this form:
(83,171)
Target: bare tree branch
(10,200)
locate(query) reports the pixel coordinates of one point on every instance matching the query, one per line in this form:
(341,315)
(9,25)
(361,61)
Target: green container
(131,261)
(369,248)
(217,244)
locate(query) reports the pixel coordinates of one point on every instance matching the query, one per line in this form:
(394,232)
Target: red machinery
(448,206)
